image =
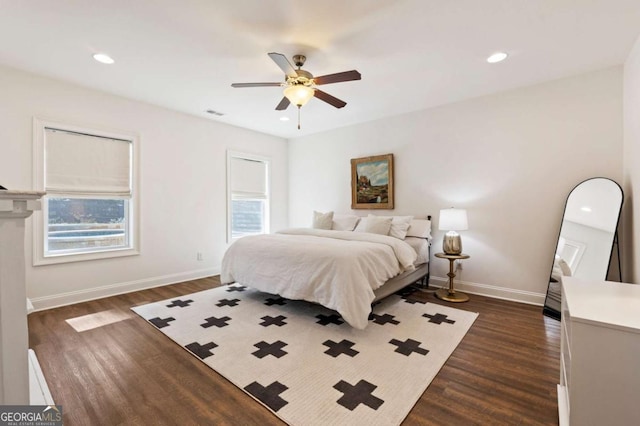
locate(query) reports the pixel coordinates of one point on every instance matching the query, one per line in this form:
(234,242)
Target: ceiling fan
(299,85)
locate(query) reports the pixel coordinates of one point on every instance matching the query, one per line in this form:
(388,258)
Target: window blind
(248,178)
(76,163)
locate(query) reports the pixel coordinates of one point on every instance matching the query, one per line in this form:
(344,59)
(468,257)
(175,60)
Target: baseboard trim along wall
(63,299)
(521,296)
(54,301)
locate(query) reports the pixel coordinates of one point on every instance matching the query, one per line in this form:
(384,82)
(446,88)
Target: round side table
(450,295)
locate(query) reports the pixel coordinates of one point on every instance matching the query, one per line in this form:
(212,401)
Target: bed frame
(401,281)
(420,274)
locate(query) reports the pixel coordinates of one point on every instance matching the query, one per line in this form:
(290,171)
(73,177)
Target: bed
(343,270)
(554,293)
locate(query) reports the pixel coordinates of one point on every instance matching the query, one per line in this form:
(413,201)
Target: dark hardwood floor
(120,370)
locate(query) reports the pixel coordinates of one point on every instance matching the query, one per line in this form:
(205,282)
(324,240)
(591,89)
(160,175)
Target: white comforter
(337,269)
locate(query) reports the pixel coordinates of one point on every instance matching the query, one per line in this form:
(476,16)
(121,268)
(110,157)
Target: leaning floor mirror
(588,233)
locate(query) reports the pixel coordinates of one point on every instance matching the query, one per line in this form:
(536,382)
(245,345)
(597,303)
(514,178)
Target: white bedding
(421,246)
(337,269)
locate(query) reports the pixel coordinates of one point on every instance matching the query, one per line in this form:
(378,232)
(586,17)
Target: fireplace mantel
(19,204)
(15,208)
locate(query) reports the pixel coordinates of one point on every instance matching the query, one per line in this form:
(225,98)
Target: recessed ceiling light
(103,58)
(586,209)
(284,118)
(497,57)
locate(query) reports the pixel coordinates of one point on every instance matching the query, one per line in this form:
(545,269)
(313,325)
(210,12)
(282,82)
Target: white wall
(183,190)
(510,159)
(631,214)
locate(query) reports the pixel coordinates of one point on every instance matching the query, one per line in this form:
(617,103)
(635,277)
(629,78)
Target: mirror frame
(550,312)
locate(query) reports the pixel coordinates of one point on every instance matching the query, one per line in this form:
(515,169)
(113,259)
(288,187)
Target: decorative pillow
(399,225)
(374,225)
(344,222)
(322,220)
(420,228)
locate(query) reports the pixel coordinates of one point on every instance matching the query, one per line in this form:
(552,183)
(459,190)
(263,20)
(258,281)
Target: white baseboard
(63,299)
(521,296)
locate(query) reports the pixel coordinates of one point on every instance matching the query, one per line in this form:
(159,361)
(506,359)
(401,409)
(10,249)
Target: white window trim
(39,258)
(254,157)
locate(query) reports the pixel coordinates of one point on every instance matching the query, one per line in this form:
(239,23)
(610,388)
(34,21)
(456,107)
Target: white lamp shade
(453,220)
(299,94)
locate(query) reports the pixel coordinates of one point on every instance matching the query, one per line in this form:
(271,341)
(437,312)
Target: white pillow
(399,225)
(322,220)
(374,225)
(420,228)
(344,222)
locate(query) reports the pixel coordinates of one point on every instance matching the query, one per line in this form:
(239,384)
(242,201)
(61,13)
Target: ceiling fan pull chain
(298,117)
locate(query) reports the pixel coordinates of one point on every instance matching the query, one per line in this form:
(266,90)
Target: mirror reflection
(587,237)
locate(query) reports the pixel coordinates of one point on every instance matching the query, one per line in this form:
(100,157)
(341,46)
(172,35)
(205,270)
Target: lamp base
(451,243)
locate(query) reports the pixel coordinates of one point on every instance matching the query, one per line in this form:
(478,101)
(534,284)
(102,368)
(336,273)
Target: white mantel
(15,208)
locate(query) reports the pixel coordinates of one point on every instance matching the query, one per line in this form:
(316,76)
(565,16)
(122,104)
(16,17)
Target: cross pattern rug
(304,363)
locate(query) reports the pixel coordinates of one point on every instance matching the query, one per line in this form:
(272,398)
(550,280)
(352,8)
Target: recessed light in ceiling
(497,57)
(284,118)
(586,209)
(103,58)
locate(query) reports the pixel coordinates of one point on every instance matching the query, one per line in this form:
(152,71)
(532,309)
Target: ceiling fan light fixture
(299,94)
(299,85)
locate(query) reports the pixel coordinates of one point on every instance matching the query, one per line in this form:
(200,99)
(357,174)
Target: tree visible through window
(85,224)
(247,218)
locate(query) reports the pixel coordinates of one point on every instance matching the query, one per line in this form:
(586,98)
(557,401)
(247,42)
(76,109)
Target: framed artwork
(372,182)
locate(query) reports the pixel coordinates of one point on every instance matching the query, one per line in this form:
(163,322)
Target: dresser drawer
(600,343)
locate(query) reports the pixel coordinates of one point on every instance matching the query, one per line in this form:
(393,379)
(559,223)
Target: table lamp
(452,220)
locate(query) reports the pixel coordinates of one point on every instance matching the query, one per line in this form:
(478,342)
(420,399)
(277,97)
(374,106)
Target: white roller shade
(248,177)
(85,164)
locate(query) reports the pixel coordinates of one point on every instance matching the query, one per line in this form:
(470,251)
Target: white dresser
(600,353)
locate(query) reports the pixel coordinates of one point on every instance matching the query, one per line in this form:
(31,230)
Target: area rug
(304,363)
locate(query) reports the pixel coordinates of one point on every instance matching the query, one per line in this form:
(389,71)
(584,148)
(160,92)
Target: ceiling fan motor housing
(304,77)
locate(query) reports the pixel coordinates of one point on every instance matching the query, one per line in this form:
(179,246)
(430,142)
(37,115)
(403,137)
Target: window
(88,212)
(248,195)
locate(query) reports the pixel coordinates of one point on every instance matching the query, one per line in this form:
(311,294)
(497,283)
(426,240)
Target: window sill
(80,257)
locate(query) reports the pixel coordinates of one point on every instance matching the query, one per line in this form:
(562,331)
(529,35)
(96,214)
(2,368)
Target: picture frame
(372,182)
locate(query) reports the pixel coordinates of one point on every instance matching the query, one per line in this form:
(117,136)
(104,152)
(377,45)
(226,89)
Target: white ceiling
(412,54)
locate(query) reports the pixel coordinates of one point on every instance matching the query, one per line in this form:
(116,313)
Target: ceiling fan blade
(284,64)
(284,104)
(338,77)
(331,100)
(256,84)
